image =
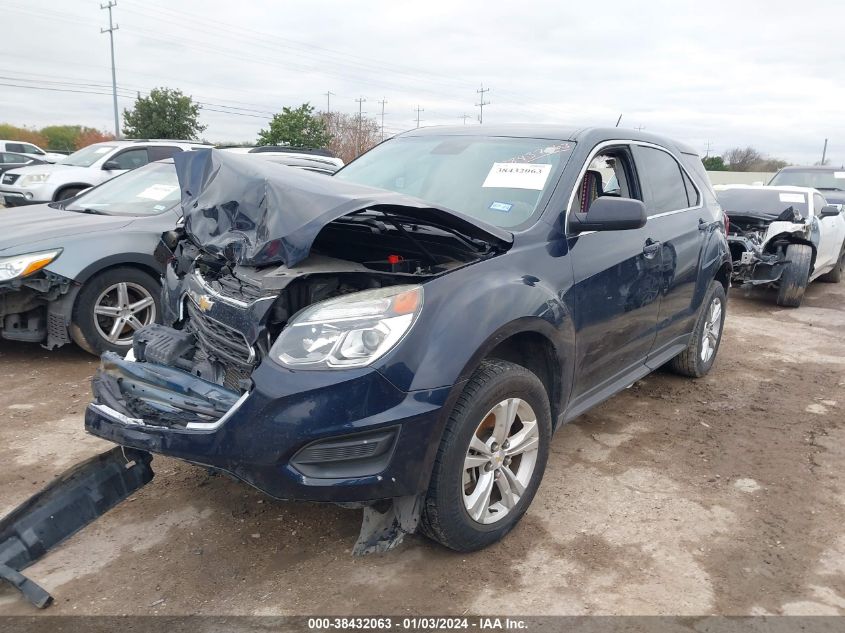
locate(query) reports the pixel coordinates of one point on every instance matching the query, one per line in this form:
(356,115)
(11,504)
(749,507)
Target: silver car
(85,168)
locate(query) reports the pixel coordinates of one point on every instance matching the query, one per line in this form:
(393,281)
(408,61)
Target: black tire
(692,362)
(796,275)
(88,334)
(444,515)
(68,192)
(835,276)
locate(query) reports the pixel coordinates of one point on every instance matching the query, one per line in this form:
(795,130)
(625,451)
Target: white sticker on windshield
(792,197)
(518,176)
(102,150)
(157,192)
(839,174)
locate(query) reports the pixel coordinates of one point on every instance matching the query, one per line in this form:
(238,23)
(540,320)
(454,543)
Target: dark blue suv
(406,335)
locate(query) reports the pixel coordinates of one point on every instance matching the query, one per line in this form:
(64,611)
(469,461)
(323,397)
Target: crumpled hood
(255,213)
(29,228)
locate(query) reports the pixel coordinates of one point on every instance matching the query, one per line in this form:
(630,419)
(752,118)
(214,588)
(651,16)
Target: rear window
(765,203)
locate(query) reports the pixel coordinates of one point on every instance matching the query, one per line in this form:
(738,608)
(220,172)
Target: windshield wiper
(830,188)
(88,210)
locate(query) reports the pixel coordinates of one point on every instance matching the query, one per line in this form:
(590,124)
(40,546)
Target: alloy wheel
(121,310)
(500,460)
(712,329)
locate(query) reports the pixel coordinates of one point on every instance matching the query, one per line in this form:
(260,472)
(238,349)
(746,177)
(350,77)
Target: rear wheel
(796,275)
(700,354)
(491,458)
(111,307)
(835,275)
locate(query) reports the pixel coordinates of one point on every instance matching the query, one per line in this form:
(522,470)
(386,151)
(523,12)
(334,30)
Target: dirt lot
(721,496)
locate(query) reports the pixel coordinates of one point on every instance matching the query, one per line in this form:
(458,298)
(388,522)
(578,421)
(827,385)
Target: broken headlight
(349,331)
(23,265)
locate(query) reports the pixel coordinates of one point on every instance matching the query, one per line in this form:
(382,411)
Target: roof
(589,135)
(784,188)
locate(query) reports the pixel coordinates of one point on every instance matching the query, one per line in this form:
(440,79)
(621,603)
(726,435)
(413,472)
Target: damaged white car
(783,237)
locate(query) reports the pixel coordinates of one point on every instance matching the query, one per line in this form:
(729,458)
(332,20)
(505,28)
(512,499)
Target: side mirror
(608,213)
(830,210)
(111,165)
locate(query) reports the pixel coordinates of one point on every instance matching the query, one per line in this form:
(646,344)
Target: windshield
(148,190)
(87,156)
(831,180)
(764,202)
(495,179)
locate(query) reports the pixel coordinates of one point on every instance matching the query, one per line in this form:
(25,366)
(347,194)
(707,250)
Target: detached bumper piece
(65,506)
(155,395)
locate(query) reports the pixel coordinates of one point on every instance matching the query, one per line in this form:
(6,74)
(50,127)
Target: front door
(617,277)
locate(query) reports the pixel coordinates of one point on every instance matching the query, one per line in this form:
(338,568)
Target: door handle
(703,225)
(651,248)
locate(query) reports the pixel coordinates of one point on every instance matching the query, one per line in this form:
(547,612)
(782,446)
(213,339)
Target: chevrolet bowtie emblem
(204,303)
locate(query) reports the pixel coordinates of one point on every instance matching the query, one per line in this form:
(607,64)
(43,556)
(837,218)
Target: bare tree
(749,159)
(351,135)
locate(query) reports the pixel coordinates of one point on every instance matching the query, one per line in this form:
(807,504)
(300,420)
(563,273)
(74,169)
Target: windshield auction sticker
(792,197)
(518,176)
(157,192)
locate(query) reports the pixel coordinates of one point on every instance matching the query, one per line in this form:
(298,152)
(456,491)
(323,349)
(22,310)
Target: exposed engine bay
(758,244)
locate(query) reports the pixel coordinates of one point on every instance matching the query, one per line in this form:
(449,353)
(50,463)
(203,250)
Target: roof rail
(162,140)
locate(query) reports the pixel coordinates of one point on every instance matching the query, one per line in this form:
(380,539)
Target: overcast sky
(768,74)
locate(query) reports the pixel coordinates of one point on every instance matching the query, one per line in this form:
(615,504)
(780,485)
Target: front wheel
(491,458)
(700,354)
(111,307)
(796,275)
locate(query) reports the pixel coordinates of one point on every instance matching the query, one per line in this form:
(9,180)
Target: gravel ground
(718,496)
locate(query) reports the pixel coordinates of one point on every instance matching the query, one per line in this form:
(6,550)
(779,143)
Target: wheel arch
(790,238)
(69,185)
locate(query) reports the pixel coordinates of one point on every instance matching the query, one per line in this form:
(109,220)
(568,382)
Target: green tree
(298,127)
(61,137)
(714,163)
(165,113)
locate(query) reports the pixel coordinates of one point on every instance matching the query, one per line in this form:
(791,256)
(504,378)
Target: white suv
(85,168)
(28,149)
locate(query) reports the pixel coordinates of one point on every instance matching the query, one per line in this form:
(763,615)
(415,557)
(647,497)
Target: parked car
(830,181)
(83,269)
(85,168)
(407,334)
(33,151)
(319,160)
(783,237)
(9,160)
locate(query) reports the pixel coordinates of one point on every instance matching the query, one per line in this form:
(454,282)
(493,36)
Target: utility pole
(618,121)
(360,101)
(382,102)
(707,152)
(329,95)
(640,128)
(418,110)
(824,153)
(465,116)
(112,28)
(481,102)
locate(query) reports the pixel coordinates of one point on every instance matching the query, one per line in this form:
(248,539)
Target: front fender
(468,312)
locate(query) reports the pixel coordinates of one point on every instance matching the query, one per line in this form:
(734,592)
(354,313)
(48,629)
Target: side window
(131,158)
(13,159)
(693,197)
(665,178)
(31,149)
(609,173)
(15,147)
(162,152)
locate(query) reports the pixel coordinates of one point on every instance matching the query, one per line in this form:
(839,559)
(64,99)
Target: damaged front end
(758,245)
(36,308)
(279,292)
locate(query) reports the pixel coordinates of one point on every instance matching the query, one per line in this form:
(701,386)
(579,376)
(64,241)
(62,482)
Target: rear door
(677,221)
(617,280)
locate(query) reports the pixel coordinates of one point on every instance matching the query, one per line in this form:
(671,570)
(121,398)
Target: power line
(418,110)
(112,28)
(481,103)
